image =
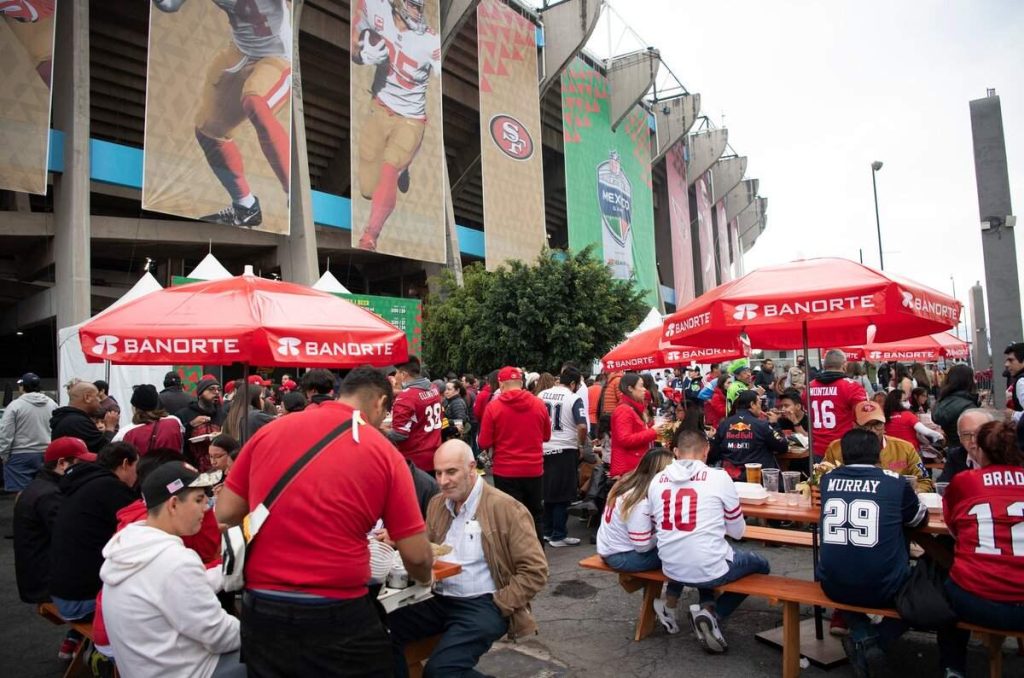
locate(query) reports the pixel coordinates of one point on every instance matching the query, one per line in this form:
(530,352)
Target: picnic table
(393,599)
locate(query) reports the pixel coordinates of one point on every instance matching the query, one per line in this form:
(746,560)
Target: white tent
(652,320)
(209,269)
(328,283)
(71,361)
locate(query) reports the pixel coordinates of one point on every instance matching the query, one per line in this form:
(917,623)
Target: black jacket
(424,484)
(948,410)
(956,462)
(744,439)
(174,400)
(73,422)
(195,409)
(85,523)
(35,512)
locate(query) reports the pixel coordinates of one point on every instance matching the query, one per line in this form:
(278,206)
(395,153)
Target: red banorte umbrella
(928,348)
(813,302)
(244,319)
(646,351)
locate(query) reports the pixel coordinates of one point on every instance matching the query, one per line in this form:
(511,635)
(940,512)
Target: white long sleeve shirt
(622,534)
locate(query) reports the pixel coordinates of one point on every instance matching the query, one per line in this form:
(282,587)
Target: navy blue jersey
(864,558)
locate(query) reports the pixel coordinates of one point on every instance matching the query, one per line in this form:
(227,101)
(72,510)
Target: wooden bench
(790,593)
(78,665)
(417,653)
(778,535)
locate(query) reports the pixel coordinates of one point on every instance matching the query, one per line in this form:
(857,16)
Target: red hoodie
(631,437)
(516,425)
(480,404)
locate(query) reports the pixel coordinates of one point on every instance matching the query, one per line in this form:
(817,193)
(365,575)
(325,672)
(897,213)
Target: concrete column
(740,198)
(454,14)
(629,78)
(296,252)
(980,355)
(567,26)
(705,150)
(71,207)
(675,116)
(725,175)
(997,241)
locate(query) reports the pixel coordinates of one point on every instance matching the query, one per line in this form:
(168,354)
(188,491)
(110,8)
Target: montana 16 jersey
(260,28)
(412,58)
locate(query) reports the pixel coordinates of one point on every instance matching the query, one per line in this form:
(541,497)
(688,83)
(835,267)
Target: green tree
(563,307)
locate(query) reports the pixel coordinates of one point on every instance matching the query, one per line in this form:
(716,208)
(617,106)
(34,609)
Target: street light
(875,166)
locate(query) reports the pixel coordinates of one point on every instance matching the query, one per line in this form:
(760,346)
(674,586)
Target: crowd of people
(124,526)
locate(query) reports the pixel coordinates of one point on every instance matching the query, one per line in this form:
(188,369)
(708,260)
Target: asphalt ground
(586,629)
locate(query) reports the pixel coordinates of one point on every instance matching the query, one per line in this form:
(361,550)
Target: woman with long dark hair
(631,434)
(246,415)
(901,423)
(625,538)
(958,394)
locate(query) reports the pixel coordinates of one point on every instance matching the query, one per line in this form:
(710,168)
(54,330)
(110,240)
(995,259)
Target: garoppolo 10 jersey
(260,28)
(694,507)
(984,509)
(412,58)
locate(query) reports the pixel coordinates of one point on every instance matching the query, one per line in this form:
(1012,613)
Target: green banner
(608,178)
(405,314)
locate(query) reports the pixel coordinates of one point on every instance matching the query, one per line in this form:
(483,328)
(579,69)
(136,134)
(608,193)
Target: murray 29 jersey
(412,58)
(260,28)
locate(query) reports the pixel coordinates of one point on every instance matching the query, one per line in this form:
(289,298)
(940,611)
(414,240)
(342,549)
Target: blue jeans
(634,561)
(556,518)
(990,613)
(20,469)
(468,628)
(742,564)
(75,610)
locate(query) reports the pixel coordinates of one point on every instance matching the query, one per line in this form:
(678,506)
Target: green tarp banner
(608,179)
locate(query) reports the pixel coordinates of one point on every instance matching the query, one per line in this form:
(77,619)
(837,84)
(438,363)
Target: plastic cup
(754,473)
(790,480)
(793,497)
(770,478)
(941,488)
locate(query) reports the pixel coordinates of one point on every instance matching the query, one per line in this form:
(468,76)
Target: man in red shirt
(832,397)
(416,416)
(516,425)
(306,608)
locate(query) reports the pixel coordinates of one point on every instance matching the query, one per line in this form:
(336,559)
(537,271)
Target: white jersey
(622,535)
(695,507)
(260,28)
(566,411)
(412,58)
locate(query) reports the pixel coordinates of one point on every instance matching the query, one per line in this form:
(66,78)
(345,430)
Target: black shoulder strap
(301,462)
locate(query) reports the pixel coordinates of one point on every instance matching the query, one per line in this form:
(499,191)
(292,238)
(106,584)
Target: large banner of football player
(705,228)
(218,112)
(397,148)
(723,241)
(511,158)
(26,51)
(679,221)
(608,179)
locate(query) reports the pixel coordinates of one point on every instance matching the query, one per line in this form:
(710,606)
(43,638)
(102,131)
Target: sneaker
(237,214)
(568,541)
(837,625)
(709,635)
(666,615)
(67,650)
(953,673)
(403,181)
(866,657)
(694,609)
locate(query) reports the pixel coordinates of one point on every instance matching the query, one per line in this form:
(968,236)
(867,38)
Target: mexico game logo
(512,137)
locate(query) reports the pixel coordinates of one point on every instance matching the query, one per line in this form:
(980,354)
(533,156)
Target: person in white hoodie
(161,610)
(694,507)
(25,433)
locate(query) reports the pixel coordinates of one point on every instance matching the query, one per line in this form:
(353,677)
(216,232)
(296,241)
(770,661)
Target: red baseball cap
(257,380)
(510,374)
(66,446)
(289,385)
(230,386)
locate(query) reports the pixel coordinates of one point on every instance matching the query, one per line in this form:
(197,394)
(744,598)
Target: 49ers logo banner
(397,148)
(218,112)
(513,172)
(26,49)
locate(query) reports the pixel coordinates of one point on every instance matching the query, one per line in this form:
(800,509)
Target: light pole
(875,166)
(956,329)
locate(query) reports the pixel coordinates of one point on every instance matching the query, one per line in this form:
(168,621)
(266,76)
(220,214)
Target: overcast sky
(813,92)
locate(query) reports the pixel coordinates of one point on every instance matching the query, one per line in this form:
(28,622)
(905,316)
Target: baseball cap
(172,378)
(257,380)
(289,385)
(510,374)
(66,446)
(868,411)
(173,478)
(29,379)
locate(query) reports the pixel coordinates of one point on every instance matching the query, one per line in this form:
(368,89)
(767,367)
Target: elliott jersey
(412,58)
(694,507)
(863,557)
(984,509)
(566,411)
(260,28)
(417,414)
(831,405)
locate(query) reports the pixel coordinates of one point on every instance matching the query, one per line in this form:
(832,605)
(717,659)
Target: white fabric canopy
(71,361)
(209,269)
(652,320)
(328,283)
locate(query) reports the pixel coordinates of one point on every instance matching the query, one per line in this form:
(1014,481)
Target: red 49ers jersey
(417,414)
(984,509)
(831,403)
